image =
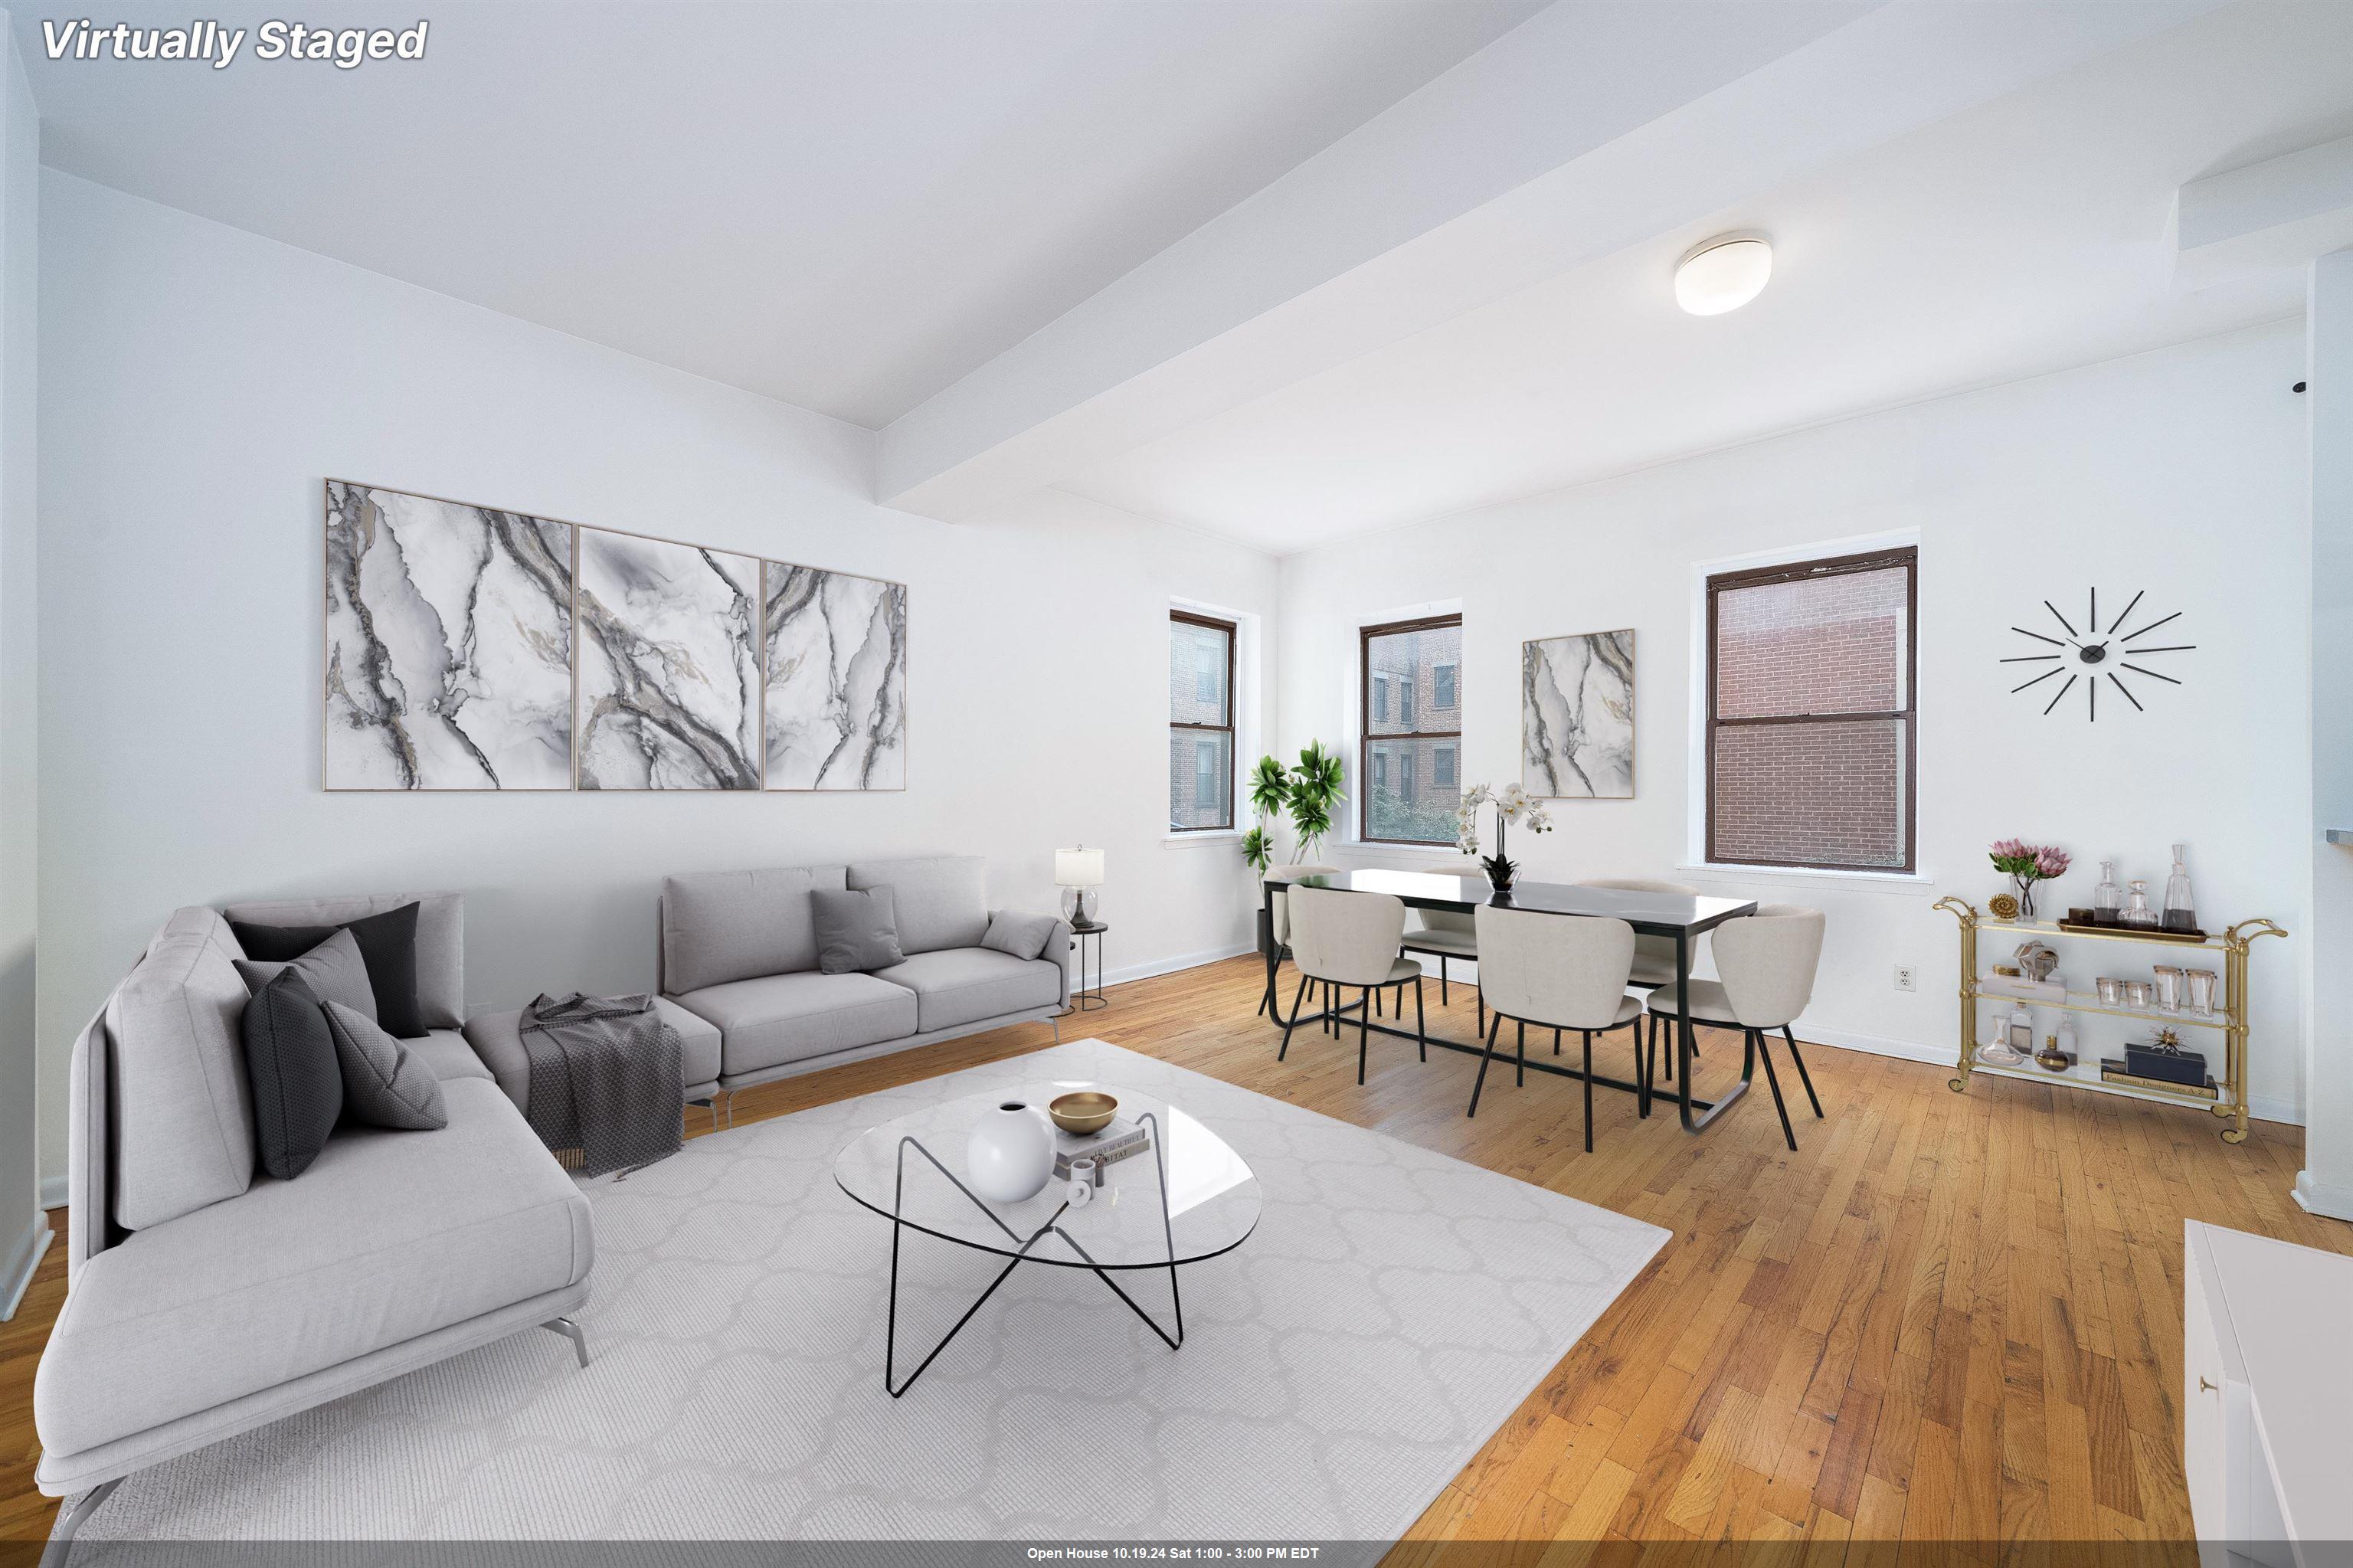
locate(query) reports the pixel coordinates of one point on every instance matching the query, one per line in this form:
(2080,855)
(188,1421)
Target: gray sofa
(739,950)
(205,1298)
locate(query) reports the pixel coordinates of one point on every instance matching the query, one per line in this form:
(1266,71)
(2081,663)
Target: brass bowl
(1088,1110)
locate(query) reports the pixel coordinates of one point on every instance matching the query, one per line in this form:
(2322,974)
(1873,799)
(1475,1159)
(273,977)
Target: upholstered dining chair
(1447,934)
(1350,939)
(1557,971)
(1277,880)
(1767,962)
(1654,956)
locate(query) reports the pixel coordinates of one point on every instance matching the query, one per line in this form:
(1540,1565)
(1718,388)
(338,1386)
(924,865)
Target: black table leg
(1683,1028)
(1273,957)
(898,1207)
(1686,1042)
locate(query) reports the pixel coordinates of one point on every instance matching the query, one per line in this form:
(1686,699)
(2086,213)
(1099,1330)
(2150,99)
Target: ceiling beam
(2282,212)
(1591,127)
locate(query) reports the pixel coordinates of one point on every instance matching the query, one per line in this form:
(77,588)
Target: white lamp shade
(1078,868)
(1722,275)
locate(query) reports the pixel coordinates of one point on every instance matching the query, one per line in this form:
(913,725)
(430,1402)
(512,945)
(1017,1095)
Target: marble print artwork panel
(1577,717)
(448,658)
(836,679)
(670,673)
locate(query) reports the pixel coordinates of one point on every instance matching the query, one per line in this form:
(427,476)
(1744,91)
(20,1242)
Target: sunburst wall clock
(2096,654)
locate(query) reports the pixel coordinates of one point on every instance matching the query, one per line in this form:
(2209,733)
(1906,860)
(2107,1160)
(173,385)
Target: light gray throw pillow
(856,932)
(1023,936)
(333,970)
(384,1083)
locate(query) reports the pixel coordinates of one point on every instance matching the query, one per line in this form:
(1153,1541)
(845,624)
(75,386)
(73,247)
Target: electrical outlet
(1905,978)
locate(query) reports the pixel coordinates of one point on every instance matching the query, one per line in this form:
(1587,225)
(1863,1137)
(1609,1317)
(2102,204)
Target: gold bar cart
(2231,1018)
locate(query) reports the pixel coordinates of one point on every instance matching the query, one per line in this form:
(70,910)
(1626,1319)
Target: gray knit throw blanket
(605,1079)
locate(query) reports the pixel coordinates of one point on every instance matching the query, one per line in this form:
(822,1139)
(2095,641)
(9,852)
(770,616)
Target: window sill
(1798,875)
(1201,836)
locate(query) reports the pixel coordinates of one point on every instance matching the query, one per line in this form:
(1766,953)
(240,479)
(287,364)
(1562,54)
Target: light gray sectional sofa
(739,949)
(204,1297)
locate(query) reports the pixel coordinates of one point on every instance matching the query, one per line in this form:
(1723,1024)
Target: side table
(1083,998)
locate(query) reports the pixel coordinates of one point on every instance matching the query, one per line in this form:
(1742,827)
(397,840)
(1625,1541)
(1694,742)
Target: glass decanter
(2105,898)
(2180,908)
(2137,909)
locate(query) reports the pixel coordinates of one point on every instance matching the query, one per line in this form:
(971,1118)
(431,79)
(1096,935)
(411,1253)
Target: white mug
(1082,1182)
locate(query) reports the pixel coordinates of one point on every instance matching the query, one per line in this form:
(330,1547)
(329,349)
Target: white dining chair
(1766,962)
(1654,956)
(1277,881)
(1444,935)
(1557,971)
(1350,939)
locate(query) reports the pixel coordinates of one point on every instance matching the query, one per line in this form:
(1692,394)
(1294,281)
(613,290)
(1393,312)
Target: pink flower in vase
(2050,862)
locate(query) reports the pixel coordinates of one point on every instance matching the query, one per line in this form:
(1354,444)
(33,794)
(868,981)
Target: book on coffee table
(1122,1140)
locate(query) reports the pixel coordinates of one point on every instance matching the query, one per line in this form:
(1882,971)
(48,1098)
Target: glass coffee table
(1186,1198)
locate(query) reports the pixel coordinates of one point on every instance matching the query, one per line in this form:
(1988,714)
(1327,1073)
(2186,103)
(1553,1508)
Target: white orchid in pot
(1513,805)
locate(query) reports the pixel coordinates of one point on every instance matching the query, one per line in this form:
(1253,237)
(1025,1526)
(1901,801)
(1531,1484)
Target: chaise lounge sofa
(205,1298)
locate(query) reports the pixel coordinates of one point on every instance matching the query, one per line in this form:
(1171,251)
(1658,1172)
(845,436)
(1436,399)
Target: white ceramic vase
(1010,1155)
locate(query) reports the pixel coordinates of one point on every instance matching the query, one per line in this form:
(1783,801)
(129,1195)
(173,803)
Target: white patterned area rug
(1339,1368)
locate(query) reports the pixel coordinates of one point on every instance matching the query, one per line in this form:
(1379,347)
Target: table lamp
(1079,872)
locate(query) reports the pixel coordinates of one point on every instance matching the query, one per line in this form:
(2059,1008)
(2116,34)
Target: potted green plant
(1269,793)
(1309,794)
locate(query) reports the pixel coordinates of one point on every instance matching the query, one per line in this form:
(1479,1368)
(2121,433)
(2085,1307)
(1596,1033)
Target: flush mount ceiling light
(1723,273)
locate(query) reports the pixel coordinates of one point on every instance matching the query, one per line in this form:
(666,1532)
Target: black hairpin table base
(1022,1254)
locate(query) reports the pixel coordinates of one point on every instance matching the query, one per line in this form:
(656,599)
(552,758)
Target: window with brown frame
(1812,713)
(1200,723)
(1412,730)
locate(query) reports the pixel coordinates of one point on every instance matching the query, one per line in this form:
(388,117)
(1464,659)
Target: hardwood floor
(1952,1321)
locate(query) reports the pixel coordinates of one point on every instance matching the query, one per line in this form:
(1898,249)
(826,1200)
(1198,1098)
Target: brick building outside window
(1412,731)
(1812,714)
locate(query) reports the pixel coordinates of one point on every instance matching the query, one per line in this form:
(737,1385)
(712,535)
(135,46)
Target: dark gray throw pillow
(856,932)
(388,945)
(298,1089)
(333,970)
(1023,936)
(384,1083)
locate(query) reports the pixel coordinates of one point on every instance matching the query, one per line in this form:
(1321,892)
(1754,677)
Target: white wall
(2324,1185)
(24,1229)
(2179,471)
(199,383)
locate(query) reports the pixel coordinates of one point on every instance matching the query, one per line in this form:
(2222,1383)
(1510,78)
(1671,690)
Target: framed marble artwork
(1577,717)
(834,656)
(668,688)
(448,645)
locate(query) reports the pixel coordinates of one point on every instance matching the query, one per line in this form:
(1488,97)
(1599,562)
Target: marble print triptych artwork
(1577,717)
(472,649)
(448,645)
(670,665)
(836,679)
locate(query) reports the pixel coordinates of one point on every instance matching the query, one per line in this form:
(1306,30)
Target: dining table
(1682,916)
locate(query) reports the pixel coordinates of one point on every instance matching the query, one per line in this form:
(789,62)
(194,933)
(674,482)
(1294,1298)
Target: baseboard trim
(24,1260)
(2261,1107)
(54,1192)
(2324,1199)
(1157,966)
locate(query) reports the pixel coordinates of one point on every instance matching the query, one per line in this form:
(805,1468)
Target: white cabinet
(2267,1396)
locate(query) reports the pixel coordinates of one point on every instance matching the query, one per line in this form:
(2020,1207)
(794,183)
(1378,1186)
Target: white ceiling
(847,206)
(2020,237)
(1285,270)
